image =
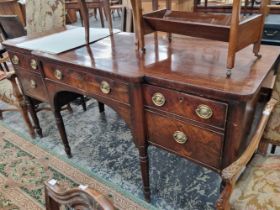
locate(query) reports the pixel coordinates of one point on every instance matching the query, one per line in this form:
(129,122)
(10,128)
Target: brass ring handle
(204,111)
(105,87)
(33,84)
(15,60)
(58,74)
(158,99)
(180,137)
(33,64)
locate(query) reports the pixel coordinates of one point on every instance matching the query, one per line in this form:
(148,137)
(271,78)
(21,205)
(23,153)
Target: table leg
(32,111)
(62,132)
(139,135)
(144,163)
(101,107)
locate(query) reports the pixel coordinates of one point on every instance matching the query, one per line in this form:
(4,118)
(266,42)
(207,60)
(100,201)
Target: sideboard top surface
(186,63)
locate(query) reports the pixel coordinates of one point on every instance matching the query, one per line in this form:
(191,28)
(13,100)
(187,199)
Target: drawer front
(25,62)
(192,107)
(33,85)
(92,84)
(185,139)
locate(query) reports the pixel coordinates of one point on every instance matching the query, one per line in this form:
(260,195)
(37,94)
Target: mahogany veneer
(175,96)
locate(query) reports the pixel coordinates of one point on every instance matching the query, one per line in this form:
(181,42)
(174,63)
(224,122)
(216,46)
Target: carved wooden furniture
(175,96)
(239,31)
(263,172)
(81,198)
(272,131)
(83,6)
(12,7)
(11,26)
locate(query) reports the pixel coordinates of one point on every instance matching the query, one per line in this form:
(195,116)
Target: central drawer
(92,84)
(196,108)
(184,139)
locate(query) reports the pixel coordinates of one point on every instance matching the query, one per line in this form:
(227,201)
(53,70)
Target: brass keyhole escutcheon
(204,111)
(105,87)
(158,99)
(58,74)
(33,64)
(15,60)
(180,137)
(33,84)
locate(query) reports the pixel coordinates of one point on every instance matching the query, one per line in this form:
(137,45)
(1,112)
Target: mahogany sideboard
(175,96)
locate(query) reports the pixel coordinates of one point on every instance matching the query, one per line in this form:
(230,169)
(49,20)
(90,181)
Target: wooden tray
(203,25)
(239,31)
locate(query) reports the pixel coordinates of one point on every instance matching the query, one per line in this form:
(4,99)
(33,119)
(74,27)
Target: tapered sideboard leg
(62,132)
(144,163)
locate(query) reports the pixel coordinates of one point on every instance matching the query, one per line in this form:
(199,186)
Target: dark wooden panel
(87,82)
(33,85)
(185,105)
(202,145)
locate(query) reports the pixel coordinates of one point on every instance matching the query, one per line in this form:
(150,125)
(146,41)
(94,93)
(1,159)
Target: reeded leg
(101,107)
(31,109)
(62,132)
(144,163)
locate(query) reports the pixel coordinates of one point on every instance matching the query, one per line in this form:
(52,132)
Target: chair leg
(83,102)
(62,132)
(1,115)
(263,147)
(69,108)
(101,107)
(24,114)
(273,149)
(101,17)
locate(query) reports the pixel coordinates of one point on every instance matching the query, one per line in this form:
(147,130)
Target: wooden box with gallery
(239,30)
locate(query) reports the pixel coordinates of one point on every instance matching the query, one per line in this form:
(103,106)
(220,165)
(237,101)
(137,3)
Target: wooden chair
(100,5)
(11,27)
(272,130)
(85,6)
(257,187)
(11,94)
(13,7)
(82,198)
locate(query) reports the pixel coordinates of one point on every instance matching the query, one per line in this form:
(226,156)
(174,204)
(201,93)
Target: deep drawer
(185,139)
(92,84)
(32,85)
(196,108)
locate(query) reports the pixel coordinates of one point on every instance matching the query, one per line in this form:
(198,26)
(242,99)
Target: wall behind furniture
(43,15)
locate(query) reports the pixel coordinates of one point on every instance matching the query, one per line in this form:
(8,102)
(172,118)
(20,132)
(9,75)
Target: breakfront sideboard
(175,96)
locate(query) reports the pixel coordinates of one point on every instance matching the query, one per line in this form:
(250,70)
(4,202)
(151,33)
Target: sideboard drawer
(185,139)
(33,85)
(63,75)
(90,83)
(25,62)
(193,107)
